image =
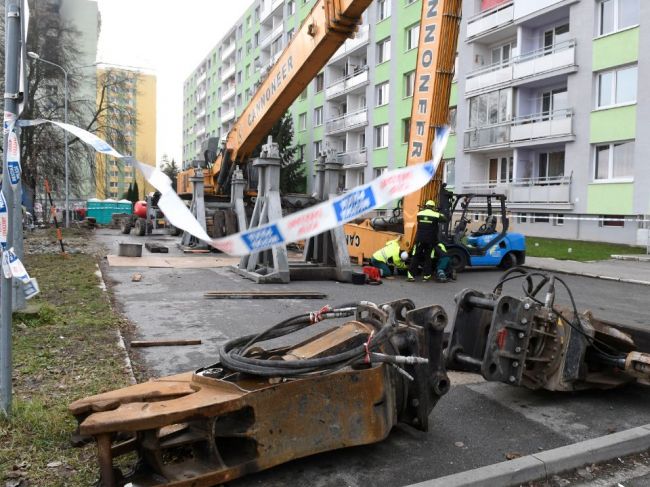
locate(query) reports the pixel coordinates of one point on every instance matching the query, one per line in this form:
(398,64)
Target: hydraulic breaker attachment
(533,343)
(257,408)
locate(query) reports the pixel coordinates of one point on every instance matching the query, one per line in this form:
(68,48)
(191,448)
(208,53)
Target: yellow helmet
(430,203)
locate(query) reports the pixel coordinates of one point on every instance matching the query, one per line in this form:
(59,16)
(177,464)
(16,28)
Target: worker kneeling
(426,241)
(390,254)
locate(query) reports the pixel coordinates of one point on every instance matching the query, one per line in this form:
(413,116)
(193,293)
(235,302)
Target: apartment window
(302,121)
(500,169)
(320,82)
(290,34)
(409,2)
(612,221)
(249,46)
(383,9)
(615,15)
(378,172)
(551,165)
(240,54)
(554,37)
(617,87)
(451,121)
(291,7)
(541,218)
(409,84)
(239,100)
(558,220)
(614,161)
(256,39)
(412,36)
(383,51)
(239,77)
(318,148)
(490,108)
(318,116)
(522,218)
(381,136)
(450,172)
(303,95)
(406,129)
(257,14)
(248,22)
(502,54)
(240,31)
(248,70)
(382,93)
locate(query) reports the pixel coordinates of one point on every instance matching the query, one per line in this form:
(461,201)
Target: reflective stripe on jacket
(390,252)
(427,231)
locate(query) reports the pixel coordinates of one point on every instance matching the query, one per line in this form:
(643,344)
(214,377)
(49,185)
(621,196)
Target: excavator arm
(322,32)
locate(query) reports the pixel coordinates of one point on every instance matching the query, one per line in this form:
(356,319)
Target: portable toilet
(125,206)
(94,209)
(109,206)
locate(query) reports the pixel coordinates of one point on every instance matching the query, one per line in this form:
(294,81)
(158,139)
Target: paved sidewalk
(612,270)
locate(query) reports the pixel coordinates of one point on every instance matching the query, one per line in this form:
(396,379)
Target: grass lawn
(581,251)
(64,351)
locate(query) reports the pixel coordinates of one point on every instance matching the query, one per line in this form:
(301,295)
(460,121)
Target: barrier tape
(297,226)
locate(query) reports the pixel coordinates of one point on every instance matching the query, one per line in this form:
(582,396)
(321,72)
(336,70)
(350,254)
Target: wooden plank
(163,343)
(264,295)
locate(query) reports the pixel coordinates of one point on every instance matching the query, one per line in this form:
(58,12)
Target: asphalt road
(475,424)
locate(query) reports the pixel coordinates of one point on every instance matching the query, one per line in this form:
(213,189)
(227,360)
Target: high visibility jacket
(441,247)
(390,253)
(427,232)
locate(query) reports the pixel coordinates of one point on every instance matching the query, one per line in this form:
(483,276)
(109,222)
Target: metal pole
(65,143)
(12,56)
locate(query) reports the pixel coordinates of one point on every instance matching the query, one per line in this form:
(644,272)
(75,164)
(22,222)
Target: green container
(94,209)
(125,206)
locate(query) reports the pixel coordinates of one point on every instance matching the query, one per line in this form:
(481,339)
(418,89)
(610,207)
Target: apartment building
(129,94)
(544,106)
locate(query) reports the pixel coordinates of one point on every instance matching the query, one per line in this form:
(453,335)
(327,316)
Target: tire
(174,231)
(125,226)
(509,260)
(458,259)
(140,227)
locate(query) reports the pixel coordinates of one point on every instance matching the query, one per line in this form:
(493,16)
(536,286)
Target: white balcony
(348,83)
(228,116)
(532,191)
(271,36)
(201,95)
(489,136)
(269,8)
(347,122)
(358,158)
(228,73)
(491,19)
(202,78)
(489,77)
(559,56)
(228,94)
(350,45)
(558,123)
(201,114)
(201,131)
(522,9)
(228,51)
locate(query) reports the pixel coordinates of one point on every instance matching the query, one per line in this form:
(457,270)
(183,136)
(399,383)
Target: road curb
(587,274)
(543,465)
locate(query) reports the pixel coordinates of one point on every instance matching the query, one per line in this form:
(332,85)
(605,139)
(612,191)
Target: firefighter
(391,253)
(426,238)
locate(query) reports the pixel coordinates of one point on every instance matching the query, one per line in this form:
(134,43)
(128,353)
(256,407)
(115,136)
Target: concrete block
(512,472)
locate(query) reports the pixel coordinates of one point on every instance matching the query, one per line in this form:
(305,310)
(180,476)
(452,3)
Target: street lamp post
(35,56)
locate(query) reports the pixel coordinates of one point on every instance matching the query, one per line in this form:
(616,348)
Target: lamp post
(35,56)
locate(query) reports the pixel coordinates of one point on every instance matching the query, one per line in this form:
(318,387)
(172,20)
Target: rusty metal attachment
(533,343)
(346,386)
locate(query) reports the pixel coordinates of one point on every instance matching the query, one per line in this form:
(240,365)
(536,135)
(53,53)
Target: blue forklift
(489,246)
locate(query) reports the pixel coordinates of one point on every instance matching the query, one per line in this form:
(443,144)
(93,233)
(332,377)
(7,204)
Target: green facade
(616,49)
(610,198)
(613,124)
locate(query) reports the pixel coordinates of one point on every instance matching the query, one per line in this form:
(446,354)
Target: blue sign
(354,204)
(262,238)
(14,172)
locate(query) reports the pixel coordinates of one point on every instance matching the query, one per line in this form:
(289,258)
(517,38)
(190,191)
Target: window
(615,15)
(378,172)
(406,129)
(612,221)
(541,218)
(290,34)
(291,7)
(381,93)
(383,9)
(318,148)
(409,2)
(502,54)
(617,87)
(409,84)
(614,161)
(256,39)
(412,36)
(248,70)
(248,22)
(451,121)
(318,116)
(239,77)
(450,172)
(554,37)
(522,218)
(240,31)
(320,82)
(383,51)
(249,46)
(302,121)
(490,108)
(558,220)
(381,136)
(551,165)
(303,95)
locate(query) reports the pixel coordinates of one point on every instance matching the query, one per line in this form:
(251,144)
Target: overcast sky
(169,38)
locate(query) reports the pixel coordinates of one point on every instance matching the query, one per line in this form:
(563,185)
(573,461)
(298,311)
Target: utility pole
(11,89)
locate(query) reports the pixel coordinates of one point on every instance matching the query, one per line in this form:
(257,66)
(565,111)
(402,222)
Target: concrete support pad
(543,465)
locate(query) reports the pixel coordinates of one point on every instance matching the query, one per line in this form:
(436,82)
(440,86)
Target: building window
(502,54)
(612,221)
(320,82)
(409,2)
(303,95)
(381,136)
(290,34)
(248,22)
(318,148)
(490,108)
(302,121)
(617,87)
(406,129)
(383,9)
(291,7)
(383,51)
(615,15)
(412,36)
(378,172)
(318,116)
(256,39)
(239,77)
(522,218)
(558,220)
(551,165)
(409,84)
(249,46)
(450,172)
(248,71)
(451,121)
(541,218)
(614,161)
(381,94)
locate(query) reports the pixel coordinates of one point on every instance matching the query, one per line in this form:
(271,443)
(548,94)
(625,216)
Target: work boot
(426,278)
(441,276)
(409,277)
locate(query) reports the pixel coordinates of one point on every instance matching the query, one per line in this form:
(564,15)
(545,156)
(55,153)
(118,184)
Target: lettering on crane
(272,88)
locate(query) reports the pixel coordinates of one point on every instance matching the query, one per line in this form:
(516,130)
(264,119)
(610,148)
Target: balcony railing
(347,121)
(202,78)
(271,36)
(491,135)
(353,158)
(490,76)
(556,189)
(227,73)
(271,6)
(228,94)
(491,19)
(348,83)
(350,45)
(228,116)
(558,56)
(228,51)
(558,123)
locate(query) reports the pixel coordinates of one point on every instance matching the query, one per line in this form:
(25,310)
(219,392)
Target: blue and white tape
(297,226)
